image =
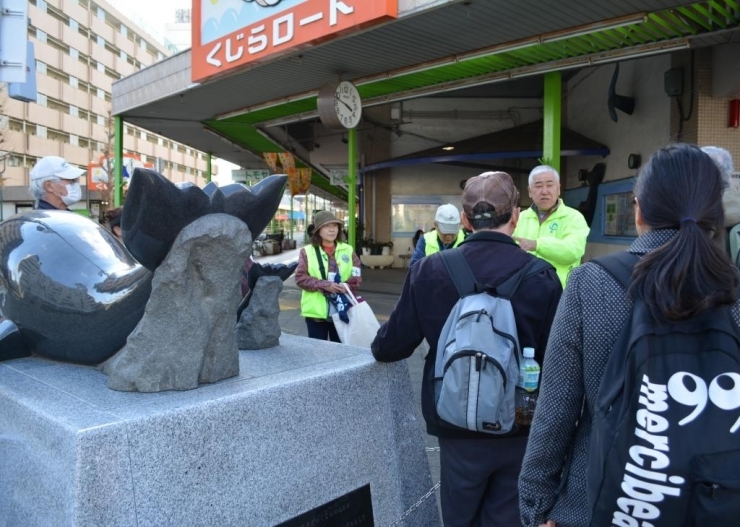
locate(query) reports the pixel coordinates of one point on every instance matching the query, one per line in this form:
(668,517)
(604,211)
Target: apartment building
(82,47)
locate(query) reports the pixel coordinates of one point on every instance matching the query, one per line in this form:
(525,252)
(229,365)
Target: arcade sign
(228,34)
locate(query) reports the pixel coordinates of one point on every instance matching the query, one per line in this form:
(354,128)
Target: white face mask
(74,194)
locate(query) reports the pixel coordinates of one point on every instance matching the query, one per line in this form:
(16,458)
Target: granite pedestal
(304,423)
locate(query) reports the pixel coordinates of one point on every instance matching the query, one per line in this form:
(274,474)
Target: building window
(40,35)
(74,111)
(101,94)
(40,67)
(101,67)
(40,130)
(101,13)
(73,81)
(74,140)
(123,55)
(41,99)
(41,4)
(73,24)
(74,53)
(100,40)
(124,30)
(101,120)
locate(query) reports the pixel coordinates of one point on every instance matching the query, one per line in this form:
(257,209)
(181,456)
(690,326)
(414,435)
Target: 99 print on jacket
(665,443)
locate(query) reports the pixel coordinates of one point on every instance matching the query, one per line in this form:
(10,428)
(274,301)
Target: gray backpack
(478,354)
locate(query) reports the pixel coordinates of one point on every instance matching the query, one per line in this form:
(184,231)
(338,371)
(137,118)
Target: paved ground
(381,289)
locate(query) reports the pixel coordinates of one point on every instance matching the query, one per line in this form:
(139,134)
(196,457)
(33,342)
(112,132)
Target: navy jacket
(428,297)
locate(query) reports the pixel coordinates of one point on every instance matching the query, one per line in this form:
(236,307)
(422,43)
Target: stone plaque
(354,509)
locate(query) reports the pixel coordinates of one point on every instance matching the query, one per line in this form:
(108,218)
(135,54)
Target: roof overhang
(524,141)
(448,46)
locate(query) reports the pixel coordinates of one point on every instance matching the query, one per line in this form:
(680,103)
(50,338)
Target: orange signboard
(97,176)
(228,34)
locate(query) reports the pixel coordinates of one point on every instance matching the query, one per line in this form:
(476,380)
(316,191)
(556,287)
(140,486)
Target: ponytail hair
(681,188)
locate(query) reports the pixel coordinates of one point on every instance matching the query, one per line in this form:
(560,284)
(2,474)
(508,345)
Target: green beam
(209,167)
(352,162)
(688,13)
(118,155)
(710,15)
(552,114)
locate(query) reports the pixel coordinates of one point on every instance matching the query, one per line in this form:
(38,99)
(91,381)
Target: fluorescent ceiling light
(595,28)
(549,68)
(448,148)
(495,50)
(639,53)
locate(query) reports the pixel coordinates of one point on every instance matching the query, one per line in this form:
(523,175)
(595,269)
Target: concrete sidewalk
(388,281)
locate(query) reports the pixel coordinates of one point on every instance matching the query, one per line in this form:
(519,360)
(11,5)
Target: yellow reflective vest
(313,303)
(561,238)
(431,242)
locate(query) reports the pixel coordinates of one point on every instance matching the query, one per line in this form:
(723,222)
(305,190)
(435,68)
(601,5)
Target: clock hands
(336,98)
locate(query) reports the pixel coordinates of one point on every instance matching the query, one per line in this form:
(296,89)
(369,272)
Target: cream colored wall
(16,177)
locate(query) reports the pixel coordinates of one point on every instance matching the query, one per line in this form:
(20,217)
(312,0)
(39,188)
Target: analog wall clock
(340,105)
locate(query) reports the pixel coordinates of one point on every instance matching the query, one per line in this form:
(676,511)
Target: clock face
(347,104)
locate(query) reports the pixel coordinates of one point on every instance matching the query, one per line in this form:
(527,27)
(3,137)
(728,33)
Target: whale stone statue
(70,290)
(68,287)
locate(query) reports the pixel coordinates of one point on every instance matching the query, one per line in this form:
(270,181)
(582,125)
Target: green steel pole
(118,154)
(352,162)
(209,168)
(291,217)
(553,115)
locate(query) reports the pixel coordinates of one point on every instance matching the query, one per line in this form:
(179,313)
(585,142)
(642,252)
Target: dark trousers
(479,481)
(321,330)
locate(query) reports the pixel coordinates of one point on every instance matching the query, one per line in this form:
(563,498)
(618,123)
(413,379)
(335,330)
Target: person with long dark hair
(323,266)
(682,272)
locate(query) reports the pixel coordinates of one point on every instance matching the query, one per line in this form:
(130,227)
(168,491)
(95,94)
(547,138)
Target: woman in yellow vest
(318,263)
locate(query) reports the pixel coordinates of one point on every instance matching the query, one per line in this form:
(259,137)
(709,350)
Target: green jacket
(561,239)
(314,304)
(431,242)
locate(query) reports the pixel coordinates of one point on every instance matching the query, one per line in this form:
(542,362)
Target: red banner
(269,28)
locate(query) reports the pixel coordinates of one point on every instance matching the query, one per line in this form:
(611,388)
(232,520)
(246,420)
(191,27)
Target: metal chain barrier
(426,496)
(416,505)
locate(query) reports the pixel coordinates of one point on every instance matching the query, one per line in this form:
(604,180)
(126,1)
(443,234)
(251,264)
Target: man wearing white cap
(447,233)
(55,184)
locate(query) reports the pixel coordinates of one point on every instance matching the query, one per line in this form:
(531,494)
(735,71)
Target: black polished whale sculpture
(69,290)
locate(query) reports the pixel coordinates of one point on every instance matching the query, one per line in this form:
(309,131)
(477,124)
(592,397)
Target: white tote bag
(362,326)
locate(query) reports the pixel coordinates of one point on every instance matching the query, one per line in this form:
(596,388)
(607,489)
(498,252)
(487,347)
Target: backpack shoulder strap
(511,284)
(619,265)
(460,272)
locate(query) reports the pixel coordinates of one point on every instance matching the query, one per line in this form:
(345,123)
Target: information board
(619,215)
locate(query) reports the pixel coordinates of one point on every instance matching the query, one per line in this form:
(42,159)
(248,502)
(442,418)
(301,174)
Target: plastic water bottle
(527,388)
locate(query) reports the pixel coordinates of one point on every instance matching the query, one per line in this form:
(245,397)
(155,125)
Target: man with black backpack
(481,452)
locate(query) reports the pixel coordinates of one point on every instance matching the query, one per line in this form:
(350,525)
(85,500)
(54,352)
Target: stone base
(304,423)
